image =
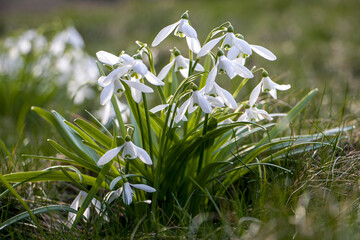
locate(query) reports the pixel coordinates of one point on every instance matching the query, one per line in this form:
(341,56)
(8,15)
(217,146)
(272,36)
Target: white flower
(130,151)
(112,84)
(127,192)
(164,106)
(231,68)
(183,29)
(223,95)
(107,112)
(232,43)
(198,98)
(236,46)
(267,85)
(181,65)
(253,114)
(76,204)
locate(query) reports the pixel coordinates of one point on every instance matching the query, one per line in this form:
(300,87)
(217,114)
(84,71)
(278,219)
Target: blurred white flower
(76,204)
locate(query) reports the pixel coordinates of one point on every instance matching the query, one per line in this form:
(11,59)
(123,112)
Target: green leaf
(39,176)
(23,215)
(93,132)
(4,181)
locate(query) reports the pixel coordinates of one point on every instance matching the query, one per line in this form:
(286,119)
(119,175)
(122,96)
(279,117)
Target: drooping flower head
(182,29)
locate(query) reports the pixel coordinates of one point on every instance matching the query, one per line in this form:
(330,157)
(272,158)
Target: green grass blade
(50,208)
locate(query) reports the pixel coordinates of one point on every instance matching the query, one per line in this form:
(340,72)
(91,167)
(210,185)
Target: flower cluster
(180,99)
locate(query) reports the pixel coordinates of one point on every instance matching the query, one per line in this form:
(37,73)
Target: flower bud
(194,87)
(265,73)
(230,29)
(220,53)
(127,138)
(185,15)
(138,56)
(176,52)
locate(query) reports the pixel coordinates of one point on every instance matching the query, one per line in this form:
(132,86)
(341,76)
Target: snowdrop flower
(130,151)
(198,98)
(181,65)
(267,85)
(236,45)
(231,68)
(135,64)
(112,84)
(223,95)
(127,192)
(164,106)
(183,29)
(252,113)
(76,204)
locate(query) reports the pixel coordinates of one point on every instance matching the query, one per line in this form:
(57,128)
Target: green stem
(147,115)
(140,126)
(118,116)
(201,158)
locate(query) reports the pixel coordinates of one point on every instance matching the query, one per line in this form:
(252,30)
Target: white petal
(114,75)
(255,94)
(211,79)
(215,101)
(109,155)
(164,72)
(143,155)
(137,96)
(184,72)
(129,151)
(164,33)
(182,110)
(208,46)
(192,106)
(199,67)
(101,81)
(139,86)
(107,58)
(127,194)
(272,93)
(143,187)
(243,46)
(114,182)
(262,113)
(86,213)
(265,53)
(106,94)
(188,30)
(181,62)
(193,44)
(159,108)
(233,53)
(153,79)
(127,59)
(203,102)
(226,96)
(282,87)
(140,67)
(227,65)
(241,70)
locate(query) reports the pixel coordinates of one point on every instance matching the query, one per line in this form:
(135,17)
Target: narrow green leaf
(93,132)
(23,215)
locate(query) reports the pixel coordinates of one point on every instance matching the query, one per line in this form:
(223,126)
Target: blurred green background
(316,42)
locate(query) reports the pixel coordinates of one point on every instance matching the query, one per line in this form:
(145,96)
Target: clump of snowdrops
(179,155)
